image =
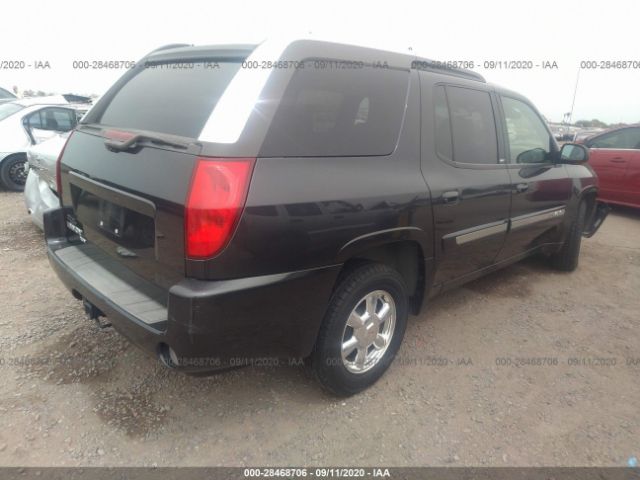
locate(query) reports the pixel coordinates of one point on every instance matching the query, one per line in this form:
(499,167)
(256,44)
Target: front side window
(338,112)
(529,140)
(53,119)
(622,139)
(473,126)
(62,119)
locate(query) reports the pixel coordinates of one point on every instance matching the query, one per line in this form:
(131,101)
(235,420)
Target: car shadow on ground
(626,212)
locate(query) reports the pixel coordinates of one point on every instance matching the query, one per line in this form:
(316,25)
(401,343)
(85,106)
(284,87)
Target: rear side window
(471,125)
(338,112)
(444,145)
(173,98)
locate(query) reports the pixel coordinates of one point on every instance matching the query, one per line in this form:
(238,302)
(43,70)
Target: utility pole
(575,91)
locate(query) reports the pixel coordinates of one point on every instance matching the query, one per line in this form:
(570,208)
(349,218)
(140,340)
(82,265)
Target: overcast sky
(564,31)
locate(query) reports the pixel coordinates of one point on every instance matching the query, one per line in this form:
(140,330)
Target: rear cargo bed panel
(121,286)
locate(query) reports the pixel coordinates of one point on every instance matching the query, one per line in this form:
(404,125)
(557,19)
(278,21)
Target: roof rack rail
(442,67)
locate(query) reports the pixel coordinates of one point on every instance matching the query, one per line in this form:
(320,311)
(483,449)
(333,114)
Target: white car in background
(26,122)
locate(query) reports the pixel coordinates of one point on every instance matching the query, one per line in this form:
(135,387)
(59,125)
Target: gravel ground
(461,392)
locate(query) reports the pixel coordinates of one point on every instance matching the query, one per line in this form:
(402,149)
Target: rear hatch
(126,170)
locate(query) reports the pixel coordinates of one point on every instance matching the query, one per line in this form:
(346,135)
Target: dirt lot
(461,392)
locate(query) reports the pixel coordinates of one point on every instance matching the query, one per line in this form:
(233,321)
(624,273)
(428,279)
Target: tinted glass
(634,136)
(529,141)
(7,109)
(444,146)
(35,120)
(473,126)
(173,98)
(627,139)
(338,112)
(5,94)
(64,119)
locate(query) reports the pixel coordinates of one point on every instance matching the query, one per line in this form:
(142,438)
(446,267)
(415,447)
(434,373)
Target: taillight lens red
(215,201)
(59,168)
(119,135)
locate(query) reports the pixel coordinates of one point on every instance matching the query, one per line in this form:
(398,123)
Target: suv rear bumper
(197,325)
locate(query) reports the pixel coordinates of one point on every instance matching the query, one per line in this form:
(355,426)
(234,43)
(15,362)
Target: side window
(473,126)
(338,112)
(529,140)
(34,120)
(63,119)
(54,119)
(444,147)
(624,139)
(635,138)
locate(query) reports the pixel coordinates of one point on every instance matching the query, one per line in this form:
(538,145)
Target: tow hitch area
(94,313)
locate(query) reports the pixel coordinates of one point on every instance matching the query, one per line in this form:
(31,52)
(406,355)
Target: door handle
(522,187)
(618,160)
(451,196)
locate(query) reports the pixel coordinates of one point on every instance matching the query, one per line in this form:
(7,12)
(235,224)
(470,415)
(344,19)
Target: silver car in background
(26,122)
(40,188)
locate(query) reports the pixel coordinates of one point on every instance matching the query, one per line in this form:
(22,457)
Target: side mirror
(573,153)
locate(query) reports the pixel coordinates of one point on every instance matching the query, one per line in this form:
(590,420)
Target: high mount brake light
(119,135)
(215,201)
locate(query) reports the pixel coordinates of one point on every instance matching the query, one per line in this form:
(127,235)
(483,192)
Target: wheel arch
(402,250)
(589,195)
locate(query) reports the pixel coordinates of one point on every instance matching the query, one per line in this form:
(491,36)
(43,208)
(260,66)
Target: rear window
(7,109)
(338,112)
(173,98)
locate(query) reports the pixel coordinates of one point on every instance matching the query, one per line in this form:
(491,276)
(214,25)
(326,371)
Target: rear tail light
(59,168)
(215,201)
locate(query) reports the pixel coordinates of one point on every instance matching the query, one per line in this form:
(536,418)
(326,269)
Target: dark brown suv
(241,204)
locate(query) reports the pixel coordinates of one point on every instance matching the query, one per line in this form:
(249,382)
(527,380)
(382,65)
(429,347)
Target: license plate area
(111,218)
(118,217)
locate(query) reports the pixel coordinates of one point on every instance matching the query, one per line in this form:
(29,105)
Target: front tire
(566,259)
(362,330)
(13,175)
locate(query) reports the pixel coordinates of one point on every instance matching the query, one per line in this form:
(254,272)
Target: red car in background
(615,157)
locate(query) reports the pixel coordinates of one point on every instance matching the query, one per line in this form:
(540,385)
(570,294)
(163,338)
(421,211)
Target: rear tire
(12,173)
(362,330)
(566,259)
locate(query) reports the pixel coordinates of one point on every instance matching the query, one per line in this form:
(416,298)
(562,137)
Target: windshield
(4,94)
(7,109)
